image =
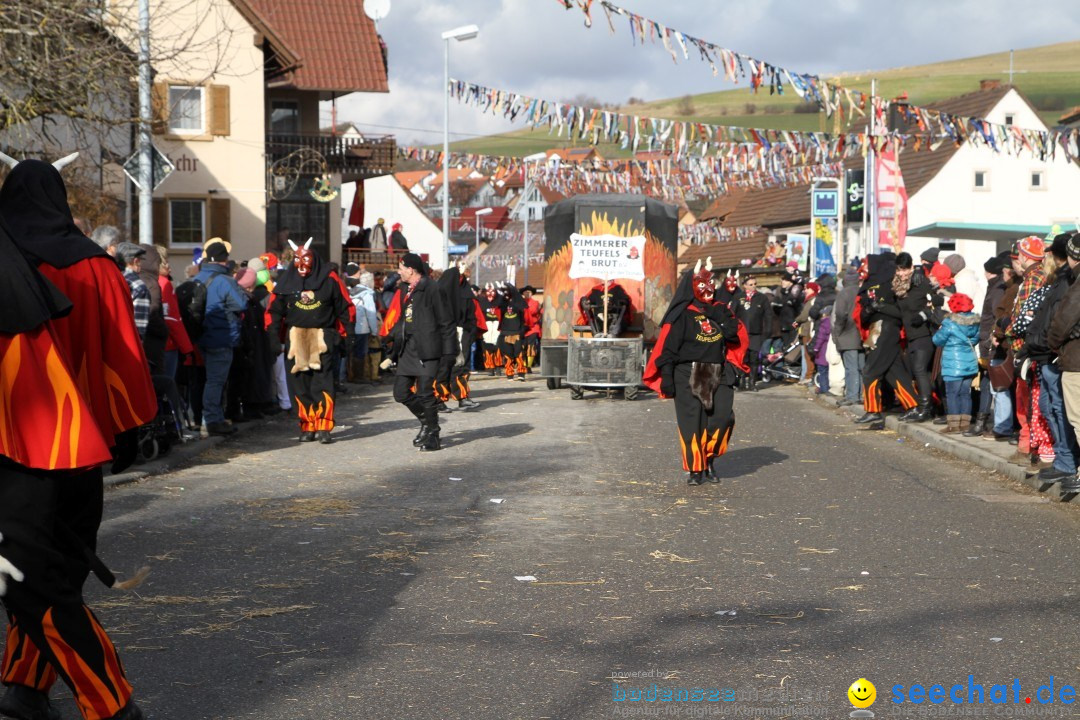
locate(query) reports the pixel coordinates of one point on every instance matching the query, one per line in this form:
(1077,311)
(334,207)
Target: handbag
(1002,376)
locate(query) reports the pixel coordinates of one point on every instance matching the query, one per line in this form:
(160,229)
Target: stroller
(159,435)
(786,364)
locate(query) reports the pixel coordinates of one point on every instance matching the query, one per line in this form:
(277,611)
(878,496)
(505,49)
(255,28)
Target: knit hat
(812,288)
(351,268)
(994,265)
(271,260)
(256,264)
(413,262)
(1073,247)
(960,303)
(217,252)
(955,263)
(1031,247)
(930,255)
(1059,248)
(395,226)
(245,278)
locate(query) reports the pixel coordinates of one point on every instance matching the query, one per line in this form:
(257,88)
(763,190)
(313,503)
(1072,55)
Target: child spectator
(959,363)
(820,349)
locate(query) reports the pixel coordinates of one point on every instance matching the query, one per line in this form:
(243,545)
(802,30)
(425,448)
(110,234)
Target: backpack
(1038,330)
(191,297)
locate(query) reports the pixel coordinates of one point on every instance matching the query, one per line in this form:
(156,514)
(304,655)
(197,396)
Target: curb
(177,456)
(962,450)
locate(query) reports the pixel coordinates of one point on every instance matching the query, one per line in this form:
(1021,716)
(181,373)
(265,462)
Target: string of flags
(500,261)
(683,138)
(701,233)
(832,97)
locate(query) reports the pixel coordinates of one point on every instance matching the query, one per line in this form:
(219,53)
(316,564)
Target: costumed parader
(74,383)
(307,314)
(620,308)
(453,378)
(423,333)
(700,348)
(491,303)
(534,314)
(879,319)
(512,333)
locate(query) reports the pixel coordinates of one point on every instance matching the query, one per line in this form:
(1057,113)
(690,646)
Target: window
(949,245)
(187,222)
(185,110)
(1038,180)
(982,180)
(284,117)
(1009,119)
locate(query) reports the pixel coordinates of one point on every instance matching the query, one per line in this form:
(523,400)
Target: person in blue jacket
(957,336)
(225,302)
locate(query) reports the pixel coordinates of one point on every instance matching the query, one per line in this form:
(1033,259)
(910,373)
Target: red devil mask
(704,286)
(304,261)
(864,268)
(731,283)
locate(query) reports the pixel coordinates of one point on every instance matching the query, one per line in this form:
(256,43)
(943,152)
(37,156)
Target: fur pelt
(704,379)
(873,335)
(305,347)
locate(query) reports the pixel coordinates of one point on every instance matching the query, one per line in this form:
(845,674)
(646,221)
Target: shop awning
(978,231)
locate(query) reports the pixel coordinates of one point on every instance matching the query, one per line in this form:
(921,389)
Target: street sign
(458,250)
(854,194)
(826,203)
(162,167)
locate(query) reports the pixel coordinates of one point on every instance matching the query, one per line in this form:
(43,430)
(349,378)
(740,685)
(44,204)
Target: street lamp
(465,32)
(525,196)
(479,214)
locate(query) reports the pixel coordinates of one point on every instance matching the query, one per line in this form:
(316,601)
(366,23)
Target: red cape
(736,355)
(393,314)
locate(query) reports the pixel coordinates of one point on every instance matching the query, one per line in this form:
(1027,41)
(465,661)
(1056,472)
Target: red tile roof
(335,42)
(409,178)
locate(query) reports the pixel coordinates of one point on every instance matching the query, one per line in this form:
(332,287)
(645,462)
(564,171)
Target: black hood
(882,268)
(684,295)
(33,203)
(449,286)
(27,298)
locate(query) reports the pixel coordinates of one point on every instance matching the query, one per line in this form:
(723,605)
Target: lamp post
(479,214)
(525,196)
(465,32)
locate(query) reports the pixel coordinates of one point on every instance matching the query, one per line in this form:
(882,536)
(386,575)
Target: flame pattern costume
(512,334)
(491,304)
(308,312)
(701,344)
(452,381)
(71,388)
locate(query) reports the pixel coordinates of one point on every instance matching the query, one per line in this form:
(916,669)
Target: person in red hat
(957,336)
(397,242)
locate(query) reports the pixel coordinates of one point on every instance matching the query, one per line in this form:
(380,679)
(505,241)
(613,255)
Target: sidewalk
(989,454)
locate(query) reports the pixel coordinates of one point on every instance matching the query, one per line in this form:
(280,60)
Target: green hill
(1048,75)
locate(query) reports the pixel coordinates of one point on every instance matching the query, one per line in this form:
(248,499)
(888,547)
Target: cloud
(535,48)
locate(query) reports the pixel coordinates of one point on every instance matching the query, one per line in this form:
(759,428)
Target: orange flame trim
(117,389)
(94,699)
(316,417)
(66,395)
(9,371)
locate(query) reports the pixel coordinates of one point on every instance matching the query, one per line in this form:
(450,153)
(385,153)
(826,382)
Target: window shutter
(220,217)
(161,222)
(159,108)
(219,110)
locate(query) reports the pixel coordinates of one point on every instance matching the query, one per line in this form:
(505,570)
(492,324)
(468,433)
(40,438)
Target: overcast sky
(536,48)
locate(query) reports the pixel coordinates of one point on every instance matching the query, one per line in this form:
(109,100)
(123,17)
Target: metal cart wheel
(576,393)
(631,392)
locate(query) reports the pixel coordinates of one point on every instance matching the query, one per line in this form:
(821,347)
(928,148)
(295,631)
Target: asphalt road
(362,580)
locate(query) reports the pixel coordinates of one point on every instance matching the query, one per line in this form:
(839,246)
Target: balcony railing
(356,157)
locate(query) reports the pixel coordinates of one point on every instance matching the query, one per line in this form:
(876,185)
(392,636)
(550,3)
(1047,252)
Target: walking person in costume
(701,345)
(491,303)
(534,314)
(453,378)
(913,297)
(754,311)
(65,422)
(307,311)
(423,333)
(512,333)
(880,320)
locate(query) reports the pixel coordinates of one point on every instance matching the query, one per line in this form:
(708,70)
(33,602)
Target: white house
(384,197)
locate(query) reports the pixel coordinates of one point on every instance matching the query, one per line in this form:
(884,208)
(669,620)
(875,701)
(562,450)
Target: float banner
(607,257)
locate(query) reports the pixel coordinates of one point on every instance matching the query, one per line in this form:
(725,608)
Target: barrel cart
(610,273)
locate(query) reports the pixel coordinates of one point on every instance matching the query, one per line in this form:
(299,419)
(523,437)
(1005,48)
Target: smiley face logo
(862,693)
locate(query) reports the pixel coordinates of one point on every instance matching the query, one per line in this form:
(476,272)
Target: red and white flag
(892,200)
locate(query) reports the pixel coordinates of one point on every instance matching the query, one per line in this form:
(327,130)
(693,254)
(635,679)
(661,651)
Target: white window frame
(1042,180)
(985,187)
(201,130)
(202,204)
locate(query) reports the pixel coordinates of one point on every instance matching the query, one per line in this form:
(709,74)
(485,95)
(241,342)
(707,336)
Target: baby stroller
(786,364)
(159,435)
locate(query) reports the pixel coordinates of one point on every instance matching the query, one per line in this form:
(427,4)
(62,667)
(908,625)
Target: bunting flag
(933,125)
(702,233)
(892,201)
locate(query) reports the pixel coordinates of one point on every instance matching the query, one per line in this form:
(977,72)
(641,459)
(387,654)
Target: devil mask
(304,261)
(704,286)
(731,283)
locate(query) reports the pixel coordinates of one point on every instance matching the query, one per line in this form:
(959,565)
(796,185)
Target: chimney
(989,84)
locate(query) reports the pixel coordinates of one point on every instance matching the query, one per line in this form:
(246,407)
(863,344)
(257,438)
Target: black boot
(420,436)
(24,703)
(324,437)
(868,418)
(710,471)
(920,414)
(442,407)
(906,417)
(467,404)
(431,440)
(977,427)
(695,478)
(307,436)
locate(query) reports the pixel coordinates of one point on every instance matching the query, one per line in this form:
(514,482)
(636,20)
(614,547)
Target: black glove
(938,300)
(125,450)
(667,389)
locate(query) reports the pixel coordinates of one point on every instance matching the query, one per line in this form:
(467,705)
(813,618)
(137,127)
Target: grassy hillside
(1049,76)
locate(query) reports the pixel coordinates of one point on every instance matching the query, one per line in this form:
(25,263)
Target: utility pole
(146,170)
(871,177)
